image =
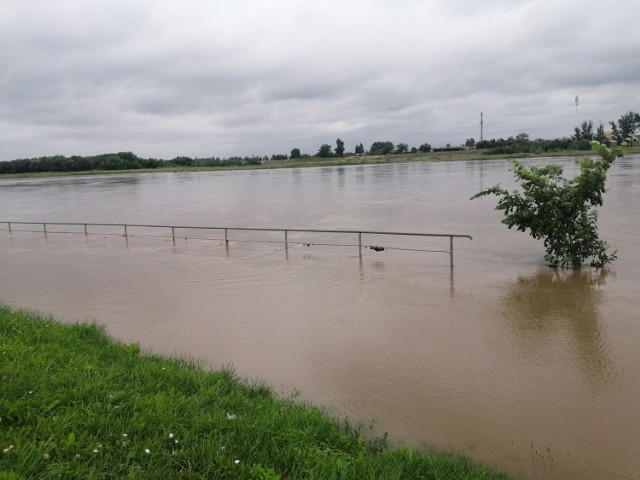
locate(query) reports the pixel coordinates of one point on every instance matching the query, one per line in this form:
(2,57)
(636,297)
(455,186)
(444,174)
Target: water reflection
(341,180)
(551,305)
(91,181)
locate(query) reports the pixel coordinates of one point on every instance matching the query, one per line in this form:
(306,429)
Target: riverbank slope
(76,404)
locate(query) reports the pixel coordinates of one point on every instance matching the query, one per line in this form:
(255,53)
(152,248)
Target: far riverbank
(441,156)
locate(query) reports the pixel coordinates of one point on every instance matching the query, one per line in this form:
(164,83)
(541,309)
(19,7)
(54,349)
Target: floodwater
(532,371)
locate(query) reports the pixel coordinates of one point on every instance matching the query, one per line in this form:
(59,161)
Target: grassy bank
(332,162)
(75,404)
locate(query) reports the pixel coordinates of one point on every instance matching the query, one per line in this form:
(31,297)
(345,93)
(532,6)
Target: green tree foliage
(360,149)
(600,136)
(339,148)
(626,127)
(183,162)
(324,151)
(295,153)
(381,148)
(424,148)
(560,211)
(402,148)
(584,131)
(115,161)
(522,144)
(470,142)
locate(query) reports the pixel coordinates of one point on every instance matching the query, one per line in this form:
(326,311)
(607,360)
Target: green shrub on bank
(75,404)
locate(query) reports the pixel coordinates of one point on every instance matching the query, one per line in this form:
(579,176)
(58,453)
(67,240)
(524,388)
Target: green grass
(76,404)
(332,162)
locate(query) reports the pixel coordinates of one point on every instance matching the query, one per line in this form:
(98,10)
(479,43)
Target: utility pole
(482,124)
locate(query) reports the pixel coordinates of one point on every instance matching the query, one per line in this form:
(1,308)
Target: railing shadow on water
(126,232)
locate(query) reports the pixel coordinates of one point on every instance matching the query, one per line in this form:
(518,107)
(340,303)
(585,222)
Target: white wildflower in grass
(95,450)
(231,416)
(77,455)
(46,456)
(146,450)
(171,435)
(124,435)
(8,449)
(237,462)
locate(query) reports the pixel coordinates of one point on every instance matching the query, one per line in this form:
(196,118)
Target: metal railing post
(451,251)
(286,231)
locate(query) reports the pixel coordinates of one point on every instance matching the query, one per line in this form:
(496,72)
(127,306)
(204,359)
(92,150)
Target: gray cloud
(203,78)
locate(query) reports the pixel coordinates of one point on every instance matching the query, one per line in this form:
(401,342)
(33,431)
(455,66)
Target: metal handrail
(226,230)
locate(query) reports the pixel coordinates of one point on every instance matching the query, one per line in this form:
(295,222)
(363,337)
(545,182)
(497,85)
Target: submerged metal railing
(286,232)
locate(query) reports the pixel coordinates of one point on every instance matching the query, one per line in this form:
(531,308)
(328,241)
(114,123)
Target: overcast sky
(241,77)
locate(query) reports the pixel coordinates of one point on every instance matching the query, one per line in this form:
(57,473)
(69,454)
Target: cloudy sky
(241,77)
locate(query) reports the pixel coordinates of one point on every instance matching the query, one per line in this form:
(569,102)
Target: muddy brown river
(532,371)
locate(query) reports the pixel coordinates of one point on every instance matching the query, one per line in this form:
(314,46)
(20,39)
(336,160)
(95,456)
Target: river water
(531,371)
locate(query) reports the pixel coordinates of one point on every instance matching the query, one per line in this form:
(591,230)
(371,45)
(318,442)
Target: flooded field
(533,371)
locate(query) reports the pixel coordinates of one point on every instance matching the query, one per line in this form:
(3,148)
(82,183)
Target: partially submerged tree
(560,211)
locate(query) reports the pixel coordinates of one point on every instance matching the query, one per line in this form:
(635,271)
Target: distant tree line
(626,126)
(522,144)
(377,148)
(116,161)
